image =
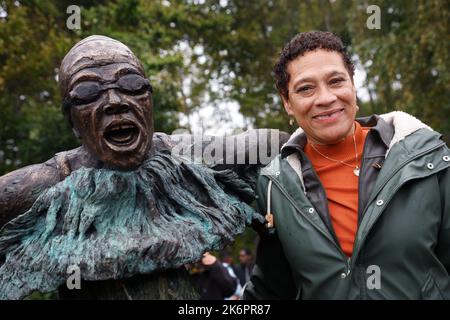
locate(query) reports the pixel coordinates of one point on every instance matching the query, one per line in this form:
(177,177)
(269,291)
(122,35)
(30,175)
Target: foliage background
(206,52)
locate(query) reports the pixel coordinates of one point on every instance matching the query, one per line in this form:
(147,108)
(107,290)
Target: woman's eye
(304,89)
(336,81)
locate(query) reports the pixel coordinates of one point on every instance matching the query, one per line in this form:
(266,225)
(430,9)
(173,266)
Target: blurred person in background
(212,279)
(245,267)
(227,262)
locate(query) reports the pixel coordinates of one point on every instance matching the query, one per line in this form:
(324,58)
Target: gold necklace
(355,168)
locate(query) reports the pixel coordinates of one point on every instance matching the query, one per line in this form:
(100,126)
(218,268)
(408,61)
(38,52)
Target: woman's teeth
(327,116)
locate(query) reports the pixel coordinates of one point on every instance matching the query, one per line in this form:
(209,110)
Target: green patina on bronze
(116,224)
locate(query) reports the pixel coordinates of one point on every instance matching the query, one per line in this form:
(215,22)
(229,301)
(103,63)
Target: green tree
(198,52)
(31,125)
(407,59)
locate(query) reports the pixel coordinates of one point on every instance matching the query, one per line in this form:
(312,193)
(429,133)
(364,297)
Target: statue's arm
(243,153)
(20,188)
(255,147)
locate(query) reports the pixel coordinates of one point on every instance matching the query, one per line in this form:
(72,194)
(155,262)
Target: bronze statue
(123,208)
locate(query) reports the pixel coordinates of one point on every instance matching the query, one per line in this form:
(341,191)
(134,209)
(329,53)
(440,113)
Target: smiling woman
(350,194)
(321,96)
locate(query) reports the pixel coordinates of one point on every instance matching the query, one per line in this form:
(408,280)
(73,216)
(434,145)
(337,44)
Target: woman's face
(322,96)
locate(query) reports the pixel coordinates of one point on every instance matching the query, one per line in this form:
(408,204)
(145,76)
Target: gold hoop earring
(291,121)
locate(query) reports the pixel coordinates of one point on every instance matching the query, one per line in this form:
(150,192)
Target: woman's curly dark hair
(303,43)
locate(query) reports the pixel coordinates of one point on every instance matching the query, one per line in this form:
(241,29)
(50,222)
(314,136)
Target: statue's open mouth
(121,133)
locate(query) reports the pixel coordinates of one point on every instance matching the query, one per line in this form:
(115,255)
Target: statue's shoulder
(65,162)
(46,173)
(21,187)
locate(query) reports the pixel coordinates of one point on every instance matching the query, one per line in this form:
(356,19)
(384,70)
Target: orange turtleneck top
(340,183)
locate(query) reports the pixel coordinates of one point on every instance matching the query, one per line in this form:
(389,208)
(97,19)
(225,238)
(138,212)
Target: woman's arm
(272,276)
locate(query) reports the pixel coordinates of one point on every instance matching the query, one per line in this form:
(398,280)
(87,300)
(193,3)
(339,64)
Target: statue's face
(111,111)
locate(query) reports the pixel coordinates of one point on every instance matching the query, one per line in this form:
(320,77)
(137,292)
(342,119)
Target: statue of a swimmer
(122,208)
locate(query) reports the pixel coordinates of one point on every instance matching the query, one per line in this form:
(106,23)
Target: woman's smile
(329,116)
